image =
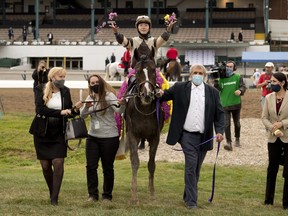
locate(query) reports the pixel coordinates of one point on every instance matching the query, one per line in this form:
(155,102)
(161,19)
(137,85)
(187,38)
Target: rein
(139,95)
(146,114)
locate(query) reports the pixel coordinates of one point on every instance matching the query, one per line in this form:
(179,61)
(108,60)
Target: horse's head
(145,71)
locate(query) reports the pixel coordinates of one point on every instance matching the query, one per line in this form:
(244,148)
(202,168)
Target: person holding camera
(264,82)
(40,75)
(231,87)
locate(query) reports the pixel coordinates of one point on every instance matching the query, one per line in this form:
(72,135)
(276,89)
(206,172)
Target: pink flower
(112,15)
(169,18)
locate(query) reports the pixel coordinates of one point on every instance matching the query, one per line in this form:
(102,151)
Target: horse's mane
(140,52)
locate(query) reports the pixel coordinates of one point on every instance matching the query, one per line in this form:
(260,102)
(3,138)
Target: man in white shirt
(196,112)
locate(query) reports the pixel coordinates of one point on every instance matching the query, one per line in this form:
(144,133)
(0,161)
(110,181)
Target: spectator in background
(240,36)
(30,28)
(171,54)
(186,69)
(107,61)
(282,69)
(24,33)
(34,34)
(11,33)
(231,88)
(269,37)
(126,61)
(40,75)
(50,37)
(264,82)
(112,58)
(232,36)
(256,76)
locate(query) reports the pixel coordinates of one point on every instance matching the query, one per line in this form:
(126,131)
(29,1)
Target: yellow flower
(166,17)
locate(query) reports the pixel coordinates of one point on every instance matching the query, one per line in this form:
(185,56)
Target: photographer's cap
(269,64)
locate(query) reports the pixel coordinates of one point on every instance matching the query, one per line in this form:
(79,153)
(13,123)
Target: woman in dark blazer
(53,102)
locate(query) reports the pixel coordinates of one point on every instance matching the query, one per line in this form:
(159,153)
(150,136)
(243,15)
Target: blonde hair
(48,89)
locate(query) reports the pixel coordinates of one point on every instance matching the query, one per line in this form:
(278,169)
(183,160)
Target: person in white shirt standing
(197,111)
(256,76)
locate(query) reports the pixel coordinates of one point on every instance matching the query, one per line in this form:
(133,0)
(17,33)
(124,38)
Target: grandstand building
(81,41)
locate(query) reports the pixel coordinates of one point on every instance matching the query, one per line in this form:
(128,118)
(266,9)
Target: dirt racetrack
(21,100)
(253,150)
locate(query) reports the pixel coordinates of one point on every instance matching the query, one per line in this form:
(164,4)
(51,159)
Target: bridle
(137,93)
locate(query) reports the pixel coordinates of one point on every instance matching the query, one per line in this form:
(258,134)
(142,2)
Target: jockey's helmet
(143,19)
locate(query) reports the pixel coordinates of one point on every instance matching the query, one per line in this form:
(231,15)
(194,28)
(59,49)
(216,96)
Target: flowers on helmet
(169,18)
(112,15)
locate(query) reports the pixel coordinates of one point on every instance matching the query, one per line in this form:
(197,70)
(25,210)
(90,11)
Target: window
(129,4)
(229,5)
(160,4)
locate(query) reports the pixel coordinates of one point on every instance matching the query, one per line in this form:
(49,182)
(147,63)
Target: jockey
(143,26)
(171,54)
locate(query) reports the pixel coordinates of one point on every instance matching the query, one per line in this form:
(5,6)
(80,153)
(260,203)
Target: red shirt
(126,56)
(172,53)
(262,78)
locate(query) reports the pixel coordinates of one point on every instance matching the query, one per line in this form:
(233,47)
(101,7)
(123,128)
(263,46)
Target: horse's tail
(107,71)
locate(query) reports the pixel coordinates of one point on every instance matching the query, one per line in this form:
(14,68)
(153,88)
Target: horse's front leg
(152,165)
(135,163)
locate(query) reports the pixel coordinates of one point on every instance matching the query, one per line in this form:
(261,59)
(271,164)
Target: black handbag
(39,125)
(76,129)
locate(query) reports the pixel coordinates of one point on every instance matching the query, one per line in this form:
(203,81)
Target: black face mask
(59,83)
(95,88)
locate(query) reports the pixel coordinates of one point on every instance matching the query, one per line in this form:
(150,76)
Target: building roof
(264,56)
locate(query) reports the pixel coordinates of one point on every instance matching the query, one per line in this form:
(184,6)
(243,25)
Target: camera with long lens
(268,86)
(219,71)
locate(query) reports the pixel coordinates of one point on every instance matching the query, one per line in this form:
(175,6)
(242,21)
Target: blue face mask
(197,79)
(275,87)
(229,72)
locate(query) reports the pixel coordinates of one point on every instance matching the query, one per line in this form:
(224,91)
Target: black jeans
(274,153)
(236,120)
(104,149)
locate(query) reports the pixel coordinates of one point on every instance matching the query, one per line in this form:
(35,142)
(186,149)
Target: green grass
(239,189)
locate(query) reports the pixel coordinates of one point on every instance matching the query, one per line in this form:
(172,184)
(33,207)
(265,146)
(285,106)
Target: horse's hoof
(134,202)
